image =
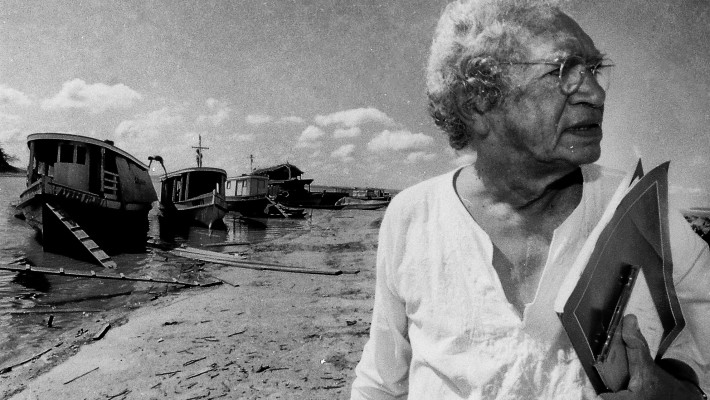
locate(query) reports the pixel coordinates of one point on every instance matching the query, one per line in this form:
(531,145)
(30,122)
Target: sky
(335,87)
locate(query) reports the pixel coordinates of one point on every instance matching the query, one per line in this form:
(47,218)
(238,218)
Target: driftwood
(92,274)
(77,377)
(100,334)
(53,311)
(34,357)
(226,259)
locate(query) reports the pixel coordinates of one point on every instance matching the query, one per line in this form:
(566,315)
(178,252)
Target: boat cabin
(189,183)
(247,186)
(88,165)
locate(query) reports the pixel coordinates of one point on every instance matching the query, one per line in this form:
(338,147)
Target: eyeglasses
(572,71)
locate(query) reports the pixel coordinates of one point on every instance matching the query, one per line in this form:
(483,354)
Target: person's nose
(590,92)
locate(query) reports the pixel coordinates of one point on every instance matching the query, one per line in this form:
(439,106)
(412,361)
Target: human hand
(648,380)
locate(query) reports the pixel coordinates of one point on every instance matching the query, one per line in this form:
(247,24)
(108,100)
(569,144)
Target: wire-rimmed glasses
(573,70)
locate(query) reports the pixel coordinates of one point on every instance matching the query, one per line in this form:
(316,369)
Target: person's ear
(472,110)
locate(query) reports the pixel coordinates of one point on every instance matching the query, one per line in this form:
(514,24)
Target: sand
(274,335)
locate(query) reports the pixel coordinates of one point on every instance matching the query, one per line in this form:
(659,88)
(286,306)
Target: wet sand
(262,335)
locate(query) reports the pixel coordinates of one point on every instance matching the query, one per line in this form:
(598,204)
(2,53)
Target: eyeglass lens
(575,70)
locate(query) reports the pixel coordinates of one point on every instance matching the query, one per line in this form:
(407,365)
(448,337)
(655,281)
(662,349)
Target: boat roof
(246,176)
(85,139)
(194,169)
(281,171)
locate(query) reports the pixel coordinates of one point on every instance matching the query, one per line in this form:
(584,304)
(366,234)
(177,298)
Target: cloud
(95,98)
(311,133)
(292,120)
(344,152)
(258,119)
(347,132)
(220,112)
(399,141)
(242,137)
(418,156)
(150,124)
(9,96)
(354,117)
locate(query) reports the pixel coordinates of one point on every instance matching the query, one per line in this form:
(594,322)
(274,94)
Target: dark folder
(634,240)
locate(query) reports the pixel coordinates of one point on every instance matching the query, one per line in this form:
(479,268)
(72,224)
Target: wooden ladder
(96,252)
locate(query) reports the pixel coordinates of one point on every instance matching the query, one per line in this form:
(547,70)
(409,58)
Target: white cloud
(258,119)
(418,156)
(13,97)
(95,98)
(399,140)
(354,117)
(150,124)
(347,132)
(242,137)
(344,152)
(292,120)
(220,112)
(311,133)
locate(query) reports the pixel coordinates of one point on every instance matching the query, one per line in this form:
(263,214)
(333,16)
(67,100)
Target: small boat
(248,195)
(194,196)
(85,194)
(350,203)
(287,188)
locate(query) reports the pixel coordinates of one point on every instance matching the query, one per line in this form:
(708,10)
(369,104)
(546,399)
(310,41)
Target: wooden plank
(92,274)
(252,265)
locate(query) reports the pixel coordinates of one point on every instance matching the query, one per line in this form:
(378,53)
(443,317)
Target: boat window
(66,153)
(229,184)
(81,155)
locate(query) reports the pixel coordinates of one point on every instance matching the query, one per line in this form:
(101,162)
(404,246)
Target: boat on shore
(85,196)
(248,195)
(194,196)
(350,203)
(287,187)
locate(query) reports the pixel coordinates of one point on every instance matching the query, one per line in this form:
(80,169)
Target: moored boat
(194,196)
(248,195)
(84,193)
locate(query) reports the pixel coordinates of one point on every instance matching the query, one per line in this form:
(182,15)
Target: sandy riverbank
(276,335)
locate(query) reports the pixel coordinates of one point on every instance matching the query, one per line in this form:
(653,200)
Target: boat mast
(251,163)
(198,155)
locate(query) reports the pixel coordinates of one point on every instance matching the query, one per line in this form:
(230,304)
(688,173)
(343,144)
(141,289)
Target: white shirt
(442,327)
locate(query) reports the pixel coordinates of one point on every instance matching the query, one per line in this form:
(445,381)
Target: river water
(22,334)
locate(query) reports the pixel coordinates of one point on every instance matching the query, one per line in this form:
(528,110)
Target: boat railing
(110,185)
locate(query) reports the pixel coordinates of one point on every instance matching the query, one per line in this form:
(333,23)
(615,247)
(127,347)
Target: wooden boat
(84,194)
(350,203)
(247,195)
(287,187)
(194,196)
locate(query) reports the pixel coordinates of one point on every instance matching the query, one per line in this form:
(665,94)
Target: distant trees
(5,160)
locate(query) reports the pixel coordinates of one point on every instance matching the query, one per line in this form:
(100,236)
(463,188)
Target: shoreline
(274,334)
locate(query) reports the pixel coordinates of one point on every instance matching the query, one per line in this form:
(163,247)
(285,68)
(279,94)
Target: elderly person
(469,263)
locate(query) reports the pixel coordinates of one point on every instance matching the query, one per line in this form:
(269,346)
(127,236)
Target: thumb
(637,352)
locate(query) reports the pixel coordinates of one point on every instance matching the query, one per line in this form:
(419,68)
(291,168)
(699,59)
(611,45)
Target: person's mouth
(586,129)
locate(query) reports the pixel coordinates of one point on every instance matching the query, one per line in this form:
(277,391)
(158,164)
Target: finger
(637,352)
(631,333)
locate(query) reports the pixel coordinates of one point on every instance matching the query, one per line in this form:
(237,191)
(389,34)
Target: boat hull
(249,206)
(113,228)
(207,210)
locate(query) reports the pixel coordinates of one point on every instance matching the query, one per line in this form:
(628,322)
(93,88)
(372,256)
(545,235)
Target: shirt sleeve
(691,266)
(383,371)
